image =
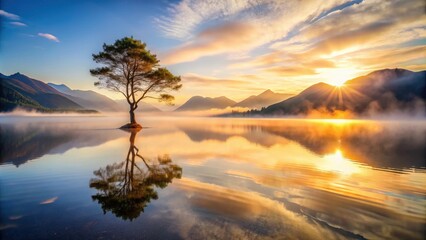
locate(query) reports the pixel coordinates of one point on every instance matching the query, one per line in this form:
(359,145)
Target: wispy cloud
(9,15)
(192,78)
(213,41)
(291,70)
(299,40)
(364,36)
(49,201)
(48,36)
(185,17)
(19,24)
(211,28)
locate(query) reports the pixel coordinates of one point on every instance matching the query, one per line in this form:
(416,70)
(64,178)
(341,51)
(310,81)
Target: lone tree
(132,70)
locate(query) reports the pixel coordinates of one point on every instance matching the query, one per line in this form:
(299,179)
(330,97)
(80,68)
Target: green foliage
(132,70)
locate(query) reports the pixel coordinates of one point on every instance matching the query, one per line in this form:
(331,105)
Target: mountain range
(266,98)
(18,90)
(381,91)
(378,92)
(88,99)
(198,103)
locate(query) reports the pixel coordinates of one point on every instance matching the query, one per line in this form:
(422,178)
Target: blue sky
(233,48)
(81,28)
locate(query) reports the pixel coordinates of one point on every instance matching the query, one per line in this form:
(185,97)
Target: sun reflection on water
(336,162)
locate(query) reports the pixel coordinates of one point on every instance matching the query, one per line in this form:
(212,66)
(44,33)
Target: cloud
(291,70)
(49,201)
(192,78)
(218,27)
(383,58)
(279,64)
(9,15)
(19,24)
(367,36)
(290,45)
(235,83)
(213,41)
(183,18)
(48,36)
(278,58)
(206,207)
(262,60)
(363,26)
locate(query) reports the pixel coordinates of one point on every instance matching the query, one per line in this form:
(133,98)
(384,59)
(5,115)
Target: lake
(212,178)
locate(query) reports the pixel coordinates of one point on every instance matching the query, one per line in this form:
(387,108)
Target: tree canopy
(132,70)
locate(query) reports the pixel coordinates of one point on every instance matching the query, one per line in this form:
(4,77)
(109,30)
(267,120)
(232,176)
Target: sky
(232,48)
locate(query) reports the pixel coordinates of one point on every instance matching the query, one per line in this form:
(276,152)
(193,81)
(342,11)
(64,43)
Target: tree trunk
(133,124)
(132,116)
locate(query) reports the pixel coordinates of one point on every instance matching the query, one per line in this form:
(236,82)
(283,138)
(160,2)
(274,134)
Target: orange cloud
(211,81)
(230,27)
(291,70)
(214,41)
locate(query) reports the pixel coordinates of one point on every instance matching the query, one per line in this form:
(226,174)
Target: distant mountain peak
(396,70)
(264,99)
(269,91)
(206,103)
(18,74)
(321,86)
(60,87)
(390,73)
(196,97)
(222,98)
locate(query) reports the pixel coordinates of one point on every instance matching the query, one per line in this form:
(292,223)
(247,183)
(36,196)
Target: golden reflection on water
(272,178)
(351,174)
(338,163)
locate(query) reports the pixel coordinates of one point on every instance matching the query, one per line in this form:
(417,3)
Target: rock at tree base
(131,126)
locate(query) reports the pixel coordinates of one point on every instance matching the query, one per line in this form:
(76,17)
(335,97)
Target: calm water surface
(189,178)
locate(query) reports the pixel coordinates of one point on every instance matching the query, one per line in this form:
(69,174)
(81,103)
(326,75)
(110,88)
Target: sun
(337,82)
(338,76)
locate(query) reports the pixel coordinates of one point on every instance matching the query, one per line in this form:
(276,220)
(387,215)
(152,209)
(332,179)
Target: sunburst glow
(338,82)
(338,76)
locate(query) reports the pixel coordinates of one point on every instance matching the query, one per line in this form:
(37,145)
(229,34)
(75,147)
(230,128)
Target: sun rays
(344,97)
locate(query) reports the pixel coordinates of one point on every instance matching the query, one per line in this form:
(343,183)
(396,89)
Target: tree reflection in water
(125,188)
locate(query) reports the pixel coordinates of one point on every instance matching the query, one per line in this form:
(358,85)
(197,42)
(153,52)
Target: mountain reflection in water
(243,178)
(24,141)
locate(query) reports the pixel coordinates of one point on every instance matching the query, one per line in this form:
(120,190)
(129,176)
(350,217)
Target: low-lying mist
(414,112)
